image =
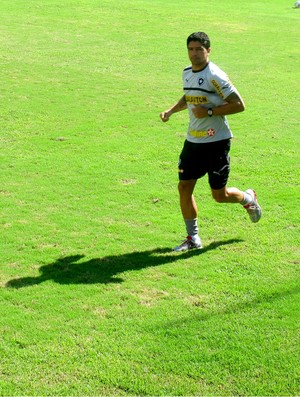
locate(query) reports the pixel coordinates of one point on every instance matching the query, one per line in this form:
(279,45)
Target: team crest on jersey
(201,81)
(211,132)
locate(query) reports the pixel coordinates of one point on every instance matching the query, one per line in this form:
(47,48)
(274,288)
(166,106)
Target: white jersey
(209,88)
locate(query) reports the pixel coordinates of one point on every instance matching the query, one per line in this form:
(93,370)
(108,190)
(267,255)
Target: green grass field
(93,301)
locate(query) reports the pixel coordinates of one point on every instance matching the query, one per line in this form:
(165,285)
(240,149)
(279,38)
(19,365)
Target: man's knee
(186,187)
(181,187)
(220,195)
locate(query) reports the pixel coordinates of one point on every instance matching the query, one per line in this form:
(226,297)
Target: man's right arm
(180,105)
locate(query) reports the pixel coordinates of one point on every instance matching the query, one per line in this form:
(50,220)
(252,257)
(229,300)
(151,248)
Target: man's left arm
(233,104)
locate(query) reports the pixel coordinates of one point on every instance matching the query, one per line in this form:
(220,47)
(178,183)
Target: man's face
(198,54)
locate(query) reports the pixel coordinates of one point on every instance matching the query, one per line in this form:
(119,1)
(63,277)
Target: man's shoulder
(215,70)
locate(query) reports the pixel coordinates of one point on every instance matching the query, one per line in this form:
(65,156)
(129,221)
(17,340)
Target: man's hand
(200,112)
(180,105)
(165,116)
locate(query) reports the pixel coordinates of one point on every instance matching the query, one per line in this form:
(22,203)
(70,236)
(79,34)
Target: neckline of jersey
(197,71)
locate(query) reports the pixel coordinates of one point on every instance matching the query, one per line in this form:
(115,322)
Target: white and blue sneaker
(188,244)
(253,208)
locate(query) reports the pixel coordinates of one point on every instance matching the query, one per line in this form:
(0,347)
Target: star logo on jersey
(211,132)
(201,81)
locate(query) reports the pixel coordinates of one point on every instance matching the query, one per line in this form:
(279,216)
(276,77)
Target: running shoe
(189,243)
(253,209)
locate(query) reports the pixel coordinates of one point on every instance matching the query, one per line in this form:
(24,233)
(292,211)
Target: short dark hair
(201,37)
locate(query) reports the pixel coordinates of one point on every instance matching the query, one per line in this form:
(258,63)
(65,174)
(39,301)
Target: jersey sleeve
(221,84)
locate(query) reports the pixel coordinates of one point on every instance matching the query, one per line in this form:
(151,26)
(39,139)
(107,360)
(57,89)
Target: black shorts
(198,159)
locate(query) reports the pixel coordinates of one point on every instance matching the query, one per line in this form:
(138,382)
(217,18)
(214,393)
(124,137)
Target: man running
(209,97)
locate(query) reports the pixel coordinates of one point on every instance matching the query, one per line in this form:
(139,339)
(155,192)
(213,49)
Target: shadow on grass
(71,269)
